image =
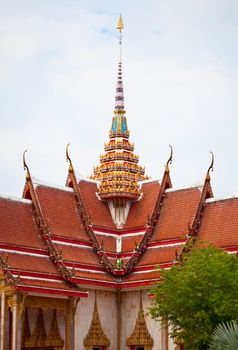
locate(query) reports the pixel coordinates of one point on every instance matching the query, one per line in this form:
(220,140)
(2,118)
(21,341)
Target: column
(3,316)
(118,319)
(69,338)
(15,333)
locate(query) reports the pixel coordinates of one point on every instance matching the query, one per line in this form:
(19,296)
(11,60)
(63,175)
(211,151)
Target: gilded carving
(39,337)
(140,335)
(96,335)
(33,302)
(54,338)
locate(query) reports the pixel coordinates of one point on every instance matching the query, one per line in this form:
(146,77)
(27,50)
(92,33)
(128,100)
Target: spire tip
(120,25)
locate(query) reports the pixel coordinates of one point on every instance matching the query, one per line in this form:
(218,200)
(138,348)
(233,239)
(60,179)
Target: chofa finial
(169,161)
(67,153)
(210,167)
(68,158)
(25,166)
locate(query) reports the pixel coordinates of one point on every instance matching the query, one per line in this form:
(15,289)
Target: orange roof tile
(22,262)
(129,243)
(17,225)
(142,276)
(49,284)
(97,210)
(108,242)
(78,254)
(139,211)
(178,211)
(156,256)
(93,275)
(219,224)
(60,212)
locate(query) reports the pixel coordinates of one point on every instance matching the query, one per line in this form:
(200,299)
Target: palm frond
(225,337)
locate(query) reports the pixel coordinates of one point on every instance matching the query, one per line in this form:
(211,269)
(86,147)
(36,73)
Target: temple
(77,261)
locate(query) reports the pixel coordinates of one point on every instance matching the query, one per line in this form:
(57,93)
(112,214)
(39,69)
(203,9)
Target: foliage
(197,295)
(225,337)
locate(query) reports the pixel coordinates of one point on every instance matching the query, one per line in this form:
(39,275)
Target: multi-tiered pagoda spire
(119,171)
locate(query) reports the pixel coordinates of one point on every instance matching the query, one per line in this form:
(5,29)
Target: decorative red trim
(119,232)
(114,284)
(52,291)
(231,249)
(70,240)
(37,275)
(24,249)
(86,267)
(95,282)
(137,284)
(119,255)
(167,242)
(153,267)
(144,268)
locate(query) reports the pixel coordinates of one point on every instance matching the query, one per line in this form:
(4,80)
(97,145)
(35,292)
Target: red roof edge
(194,228)
(165,184)
(54,291)
(44,232)
(72,181)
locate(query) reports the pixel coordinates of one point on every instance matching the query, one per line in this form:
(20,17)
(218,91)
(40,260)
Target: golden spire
(120,25)
(119,171)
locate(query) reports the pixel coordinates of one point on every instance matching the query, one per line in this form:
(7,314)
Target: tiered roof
(61,240)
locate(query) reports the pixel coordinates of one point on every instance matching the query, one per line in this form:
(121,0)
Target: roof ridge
(172,189)
(36,182)
(16,199)
(215,200)
(144,182)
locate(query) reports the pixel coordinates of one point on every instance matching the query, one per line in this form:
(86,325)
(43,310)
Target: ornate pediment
(96,335)
(39,338)
(140,335)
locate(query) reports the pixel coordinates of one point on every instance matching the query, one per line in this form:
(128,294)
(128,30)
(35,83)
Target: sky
(58,67)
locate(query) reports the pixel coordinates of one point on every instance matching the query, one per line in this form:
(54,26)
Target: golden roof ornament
(25,166)
(120,25)
(68,159)
(119,171)
(208,177)
(169,161)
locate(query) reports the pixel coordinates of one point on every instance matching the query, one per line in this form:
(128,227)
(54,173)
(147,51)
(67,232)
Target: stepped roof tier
(62,240)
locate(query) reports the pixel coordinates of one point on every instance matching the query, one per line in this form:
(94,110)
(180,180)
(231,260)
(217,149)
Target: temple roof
(115,261)
(110,232)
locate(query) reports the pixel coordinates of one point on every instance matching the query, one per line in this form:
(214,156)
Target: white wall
(107,309)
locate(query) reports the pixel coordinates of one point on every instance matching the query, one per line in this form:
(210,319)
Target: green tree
(225,337)
(197,295)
